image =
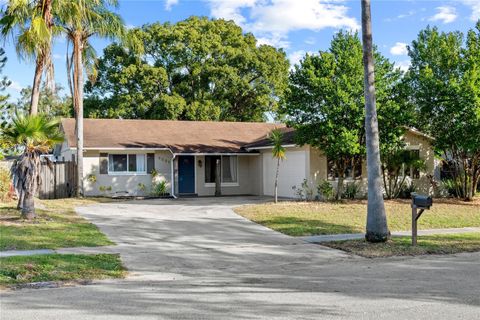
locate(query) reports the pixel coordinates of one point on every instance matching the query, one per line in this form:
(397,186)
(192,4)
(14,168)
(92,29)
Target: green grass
(59,267)
(56,226)
(313,218)
(401,246)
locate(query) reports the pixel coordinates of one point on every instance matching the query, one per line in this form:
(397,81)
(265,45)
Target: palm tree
(36,135)
(377,228)
(81,19)
(31,24)
(278,152)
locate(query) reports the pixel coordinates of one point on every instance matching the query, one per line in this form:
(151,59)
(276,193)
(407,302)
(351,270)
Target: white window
(228,169)
(126,163)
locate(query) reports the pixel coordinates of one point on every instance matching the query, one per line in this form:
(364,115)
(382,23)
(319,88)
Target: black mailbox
(421,201)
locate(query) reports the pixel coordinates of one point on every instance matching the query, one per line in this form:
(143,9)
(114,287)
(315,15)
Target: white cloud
(169,4)
(445,14)
(403,65)
(475,6)
(296,56)
(310,41)
(399,49)
(272,20)
(15,86)
(57,56)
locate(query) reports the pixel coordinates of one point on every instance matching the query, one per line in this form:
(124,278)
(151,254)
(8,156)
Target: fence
(58,180)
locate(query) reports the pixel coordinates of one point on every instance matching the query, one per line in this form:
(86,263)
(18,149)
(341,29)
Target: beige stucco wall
(123,184)
(248,178)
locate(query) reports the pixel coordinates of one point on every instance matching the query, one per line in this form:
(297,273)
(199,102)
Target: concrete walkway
(197,259)
(76,250)
(356,236)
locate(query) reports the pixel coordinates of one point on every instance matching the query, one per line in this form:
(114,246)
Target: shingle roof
(179,136)
(288,139)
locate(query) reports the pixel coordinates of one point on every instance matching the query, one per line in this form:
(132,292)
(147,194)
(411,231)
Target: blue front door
(186,174)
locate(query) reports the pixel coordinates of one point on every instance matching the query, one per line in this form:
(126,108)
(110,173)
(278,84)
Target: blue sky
(297,26)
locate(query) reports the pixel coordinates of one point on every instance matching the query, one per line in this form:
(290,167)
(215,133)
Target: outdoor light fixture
(200,163)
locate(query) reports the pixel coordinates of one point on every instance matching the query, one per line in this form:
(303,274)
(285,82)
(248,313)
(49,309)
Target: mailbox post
(420,203)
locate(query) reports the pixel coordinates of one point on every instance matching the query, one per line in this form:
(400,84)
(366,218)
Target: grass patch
(314,218)
(57,226)
(59,267)
(401,246)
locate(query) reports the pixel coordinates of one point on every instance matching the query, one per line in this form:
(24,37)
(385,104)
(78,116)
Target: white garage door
(292,173)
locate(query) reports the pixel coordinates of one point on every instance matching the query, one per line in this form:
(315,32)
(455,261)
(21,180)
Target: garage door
(292,173)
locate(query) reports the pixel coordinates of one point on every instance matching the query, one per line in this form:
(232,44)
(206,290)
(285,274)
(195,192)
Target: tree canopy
(444,84)
(325,102)
(197,69)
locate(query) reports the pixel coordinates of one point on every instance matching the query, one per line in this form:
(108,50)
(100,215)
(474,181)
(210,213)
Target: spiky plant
(35,135)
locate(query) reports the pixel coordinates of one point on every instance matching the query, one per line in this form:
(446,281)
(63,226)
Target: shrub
(4,184)
(453,187)
(351,190)
(304,191)
(160,188)
(325,190)
(407,190)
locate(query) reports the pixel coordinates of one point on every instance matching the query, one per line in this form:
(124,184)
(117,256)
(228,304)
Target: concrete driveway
(196,259)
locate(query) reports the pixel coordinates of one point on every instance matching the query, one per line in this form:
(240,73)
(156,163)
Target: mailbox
(421,201)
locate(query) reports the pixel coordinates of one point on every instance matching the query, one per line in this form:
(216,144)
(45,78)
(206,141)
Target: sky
(296,26)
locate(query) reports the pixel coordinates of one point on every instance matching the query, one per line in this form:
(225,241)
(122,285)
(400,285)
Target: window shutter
(103,163)
(150,162)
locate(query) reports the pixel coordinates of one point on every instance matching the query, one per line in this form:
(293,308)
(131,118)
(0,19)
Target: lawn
(401,246)
(314,218)
(57,226)
(59,267)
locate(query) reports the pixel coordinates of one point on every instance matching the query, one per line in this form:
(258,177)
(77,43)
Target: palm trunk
(377,229)
(78,103)
(276,180)
(28,207)
(37,80)
(20,199)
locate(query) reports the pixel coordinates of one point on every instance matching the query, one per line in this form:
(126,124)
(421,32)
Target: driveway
(196,259)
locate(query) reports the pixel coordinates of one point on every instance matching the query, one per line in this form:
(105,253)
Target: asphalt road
(196,259)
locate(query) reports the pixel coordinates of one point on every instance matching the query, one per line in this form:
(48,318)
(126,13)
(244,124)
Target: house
(120,156)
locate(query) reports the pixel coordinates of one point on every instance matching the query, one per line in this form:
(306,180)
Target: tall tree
(326,106)
(51,103)
(80,20)
(197,69)
(5,146)
(377,228)
(36,135)
(32,25)
(445,88)
(278,152)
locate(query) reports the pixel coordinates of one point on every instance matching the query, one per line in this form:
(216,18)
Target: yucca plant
(35,135)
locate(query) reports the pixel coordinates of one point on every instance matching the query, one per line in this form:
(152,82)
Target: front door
(186,174)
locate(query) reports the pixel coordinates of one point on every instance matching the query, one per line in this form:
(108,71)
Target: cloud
(445,14)
(57,56)
(401,16)
(475,6)
(272,20)
(399,49)
(403,65)
(15,86)
(169,4)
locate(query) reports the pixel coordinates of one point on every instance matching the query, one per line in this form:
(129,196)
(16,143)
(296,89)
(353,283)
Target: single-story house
(121,155)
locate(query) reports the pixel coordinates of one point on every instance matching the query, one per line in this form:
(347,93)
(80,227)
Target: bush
(160,189)
(304,191)
(351,190)
(325,190)
(407,190)
(4,184)
(453,187)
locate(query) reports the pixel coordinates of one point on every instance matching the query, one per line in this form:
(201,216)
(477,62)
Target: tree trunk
(218,185)
(377,229)
(37,80)
(28,207)
(20,199)
(276,180)
(341,179)
(78,104)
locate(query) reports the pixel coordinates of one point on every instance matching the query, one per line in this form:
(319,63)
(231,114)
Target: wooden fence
(58,180)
